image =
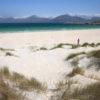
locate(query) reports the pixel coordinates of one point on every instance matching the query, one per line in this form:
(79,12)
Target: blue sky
(20,8)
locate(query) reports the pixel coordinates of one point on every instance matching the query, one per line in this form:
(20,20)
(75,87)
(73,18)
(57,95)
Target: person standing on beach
(78,41)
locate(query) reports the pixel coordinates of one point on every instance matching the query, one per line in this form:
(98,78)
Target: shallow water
(13,27)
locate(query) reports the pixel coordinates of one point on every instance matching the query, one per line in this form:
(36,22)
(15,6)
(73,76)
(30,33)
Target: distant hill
(63,19)
(69,19)
(31,19)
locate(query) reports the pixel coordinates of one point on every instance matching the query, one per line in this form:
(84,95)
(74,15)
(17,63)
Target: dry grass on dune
(89,44)
(75,71)
(60,45)
(90,92)
(95,53)
(6,91)
(5,73)
(32,84)
(71,56)
(9,93)
(21,81)
(75,46)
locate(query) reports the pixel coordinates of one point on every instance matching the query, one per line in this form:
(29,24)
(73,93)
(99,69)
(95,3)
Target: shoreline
(55,30)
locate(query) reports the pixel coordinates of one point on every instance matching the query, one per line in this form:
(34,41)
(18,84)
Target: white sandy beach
(41,61)
(48,38)
(47,66)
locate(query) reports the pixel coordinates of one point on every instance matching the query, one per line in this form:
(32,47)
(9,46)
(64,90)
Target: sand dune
(48,66)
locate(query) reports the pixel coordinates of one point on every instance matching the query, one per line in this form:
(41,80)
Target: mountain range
(63,19)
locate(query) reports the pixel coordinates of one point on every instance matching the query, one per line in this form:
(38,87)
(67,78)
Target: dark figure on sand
(78,41)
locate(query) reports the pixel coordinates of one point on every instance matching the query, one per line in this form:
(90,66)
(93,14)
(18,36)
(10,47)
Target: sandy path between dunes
(46,38)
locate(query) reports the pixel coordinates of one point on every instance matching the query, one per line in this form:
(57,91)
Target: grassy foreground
(10,82)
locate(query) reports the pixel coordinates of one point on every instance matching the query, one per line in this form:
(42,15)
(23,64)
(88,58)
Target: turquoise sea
(13,27)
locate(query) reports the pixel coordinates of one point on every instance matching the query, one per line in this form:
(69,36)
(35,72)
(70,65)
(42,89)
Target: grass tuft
(17,77)
(74,55)
(3,49)
(88,44)
(43,48)
(75,46)
(95,54)
(5,72)
(61,45)
(32,84)
(9,93)
(76,70)
(21,81)
(98,44)
(90,92)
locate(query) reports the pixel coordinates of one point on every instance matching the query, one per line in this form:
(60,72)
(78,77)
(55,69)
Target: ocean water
(13,27)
